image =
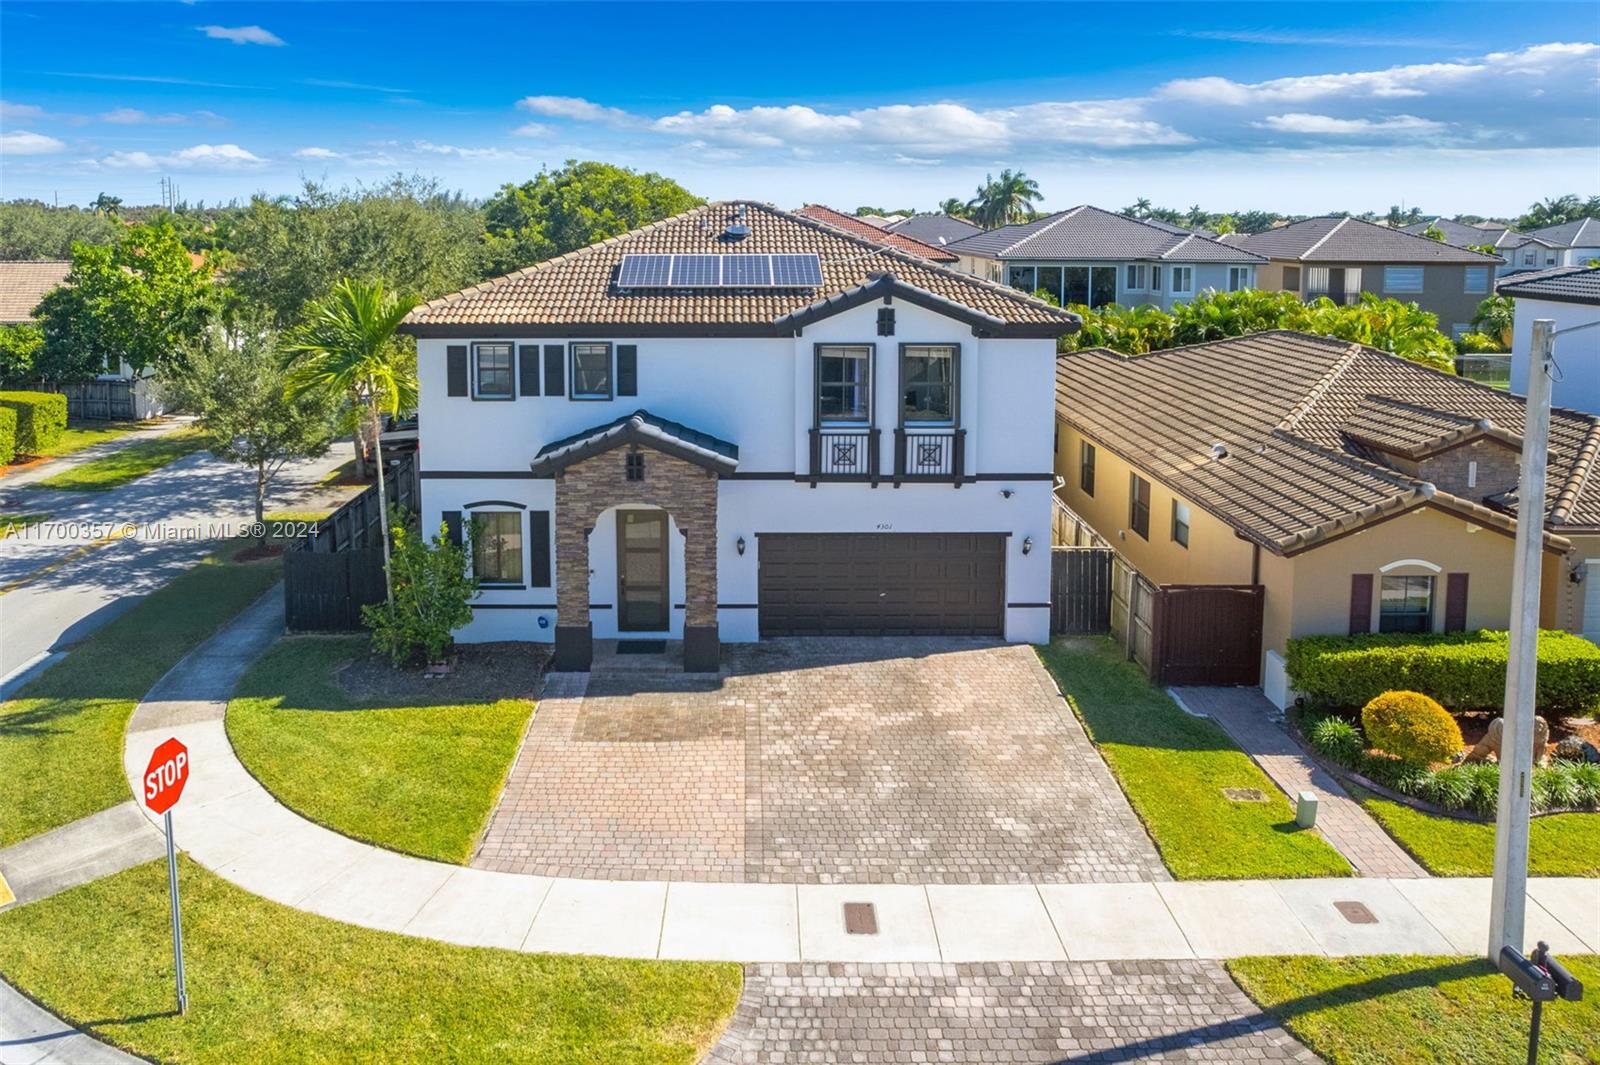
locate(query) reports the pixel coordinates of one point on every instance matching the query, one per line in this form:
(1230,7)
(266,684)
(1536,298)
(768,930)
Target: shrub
(1412,727)
(1336,739)
(1554,786)
(41,419)
(1451,788)
(1478,344)
(8,435)
(432,596)
(1587,779)
(1462,670)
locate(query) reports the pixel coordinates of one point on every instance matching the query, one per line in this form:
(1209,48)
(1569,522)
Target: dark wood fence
(1207,634)
(336,570)
(1080,590)
(101,400)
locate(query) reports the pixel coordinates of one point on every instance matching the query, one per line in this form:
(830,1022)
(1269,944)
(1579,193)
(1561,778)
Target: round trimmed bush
(1412,727)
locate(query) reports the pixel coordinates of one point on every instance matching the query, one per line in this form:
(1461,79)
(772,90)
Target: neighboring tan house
(24,284)
(878,235)
(1568,296)
(1362,492)
(1575,243)
(1341,258)
(740,422)
(1089,256)
(937,229)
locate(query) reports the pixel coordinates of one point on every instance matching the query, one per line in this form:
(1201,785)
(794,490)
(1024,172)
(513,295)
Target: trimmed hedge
(1462,670)
(41,419)
(1412,727)
(8,435)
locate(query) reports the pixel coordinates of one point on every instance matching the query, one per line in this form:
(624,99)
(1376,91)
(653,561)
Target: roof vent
(1427,489)
(737,230)
(1219,451)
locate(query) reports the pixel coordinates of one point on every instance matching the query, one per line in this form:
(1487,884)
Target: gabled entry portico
(643,470)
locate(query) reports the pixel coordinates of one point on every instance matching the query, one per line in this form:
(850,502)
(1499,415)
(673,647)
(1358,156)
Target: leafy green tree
(1433,232)
(1130,330)
(1554,210)
(347,349)
(32,230)
(431,596)
(140,301)
(20,343)
(1214,315)
(236,384)
(1495,316)
(1224,224)
(883,212)
(954,207)
(1003,200)
(1255,221)
(570,208)
(406,233)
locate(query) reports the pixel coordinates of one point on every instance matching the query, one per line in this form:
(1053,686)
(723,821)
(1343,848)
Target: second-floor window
(493,366)
(1086,467)
(1402,279)
(591,371)
(1529,257)
(1477,279)
(1238,278)
(1139,505)
(928,383)
(497,546)
(1182,279)
(844,372)
(1180,523)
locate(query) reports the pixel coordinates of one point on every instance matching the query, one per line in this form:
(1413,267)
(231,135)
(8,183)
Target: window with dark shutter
(555,363)
(1455,603)
(528,369)
(539,547)
(452,526)
(455,370)
(886,321)
(627,369)
(1360,603)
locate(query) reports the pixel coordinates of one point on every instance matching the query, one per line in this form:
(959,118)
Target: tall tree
(106,205)
(1003,200)
(570,208)
(1139,208)
(1554,210)
(347,348)
(32,230)
(954,207)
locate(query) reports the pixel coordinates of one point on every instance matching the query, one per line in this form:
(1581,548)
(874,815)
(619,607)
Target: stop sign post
(164,779)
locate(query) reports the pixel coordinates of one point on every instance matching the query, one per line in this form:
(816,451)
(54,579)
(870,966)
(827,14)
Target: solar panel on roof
(696,271)
(645,271)
(746,271)
(796,271)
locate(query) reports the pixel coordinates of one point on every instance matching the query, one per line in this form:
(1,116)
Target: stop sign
(165,776)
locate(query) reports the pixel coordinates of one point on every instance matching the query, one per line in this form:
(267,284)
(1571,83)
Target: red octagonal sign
(165,776)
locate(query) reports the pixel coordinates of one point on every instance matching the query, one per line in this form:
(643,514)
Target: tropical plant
(32,230)
(954,207)
(1003,200)
(1433,232)
(1401,329)
(347,348)
(1479,344)
(106,205)
(1495,316)
(1554,210)
(1130,330)
(1139,208)
(431,596)
(1214,315)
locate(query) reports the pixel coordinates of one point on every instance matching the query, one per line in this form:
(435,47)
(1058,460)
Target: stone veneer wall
(1498,469)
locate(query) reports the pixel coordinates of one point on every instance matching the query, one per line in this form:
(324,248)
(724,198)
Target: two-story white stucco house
(1569,296)
(740,422)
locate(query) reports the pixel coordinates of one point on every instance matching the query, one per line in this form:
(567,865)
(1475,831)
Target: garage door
(882,584)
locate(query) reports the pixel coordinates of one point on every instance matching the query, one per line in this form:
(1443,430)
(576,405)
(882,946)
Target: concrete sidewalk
(228,823)
(30,1035)
(51,467)
(87,849)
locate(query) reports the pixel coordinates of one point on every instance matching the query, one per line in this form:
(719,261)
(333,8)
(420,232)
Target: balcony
(930,455)
(844,454)
(920,455)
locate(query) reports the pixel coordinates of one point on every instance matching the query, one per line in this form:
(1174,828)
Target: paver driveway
(819,761)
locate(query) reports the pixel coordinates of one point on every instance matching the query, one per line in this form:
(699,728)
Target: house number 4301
(884,525)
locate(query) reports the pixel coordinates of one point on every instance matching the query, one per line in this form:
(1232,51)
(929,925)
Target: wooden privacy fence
(1080,590)
(1133,605)
(101,400)
(1069,530)
(337,569)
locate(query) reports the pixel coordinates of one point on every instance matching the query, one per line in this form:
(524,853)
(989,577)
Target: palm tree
(954,207)
(346,347)
(1552,211)
(1139,209)
(1004,200)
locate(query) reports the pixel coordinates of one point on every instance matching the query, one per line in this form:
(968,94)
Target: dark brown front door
(642,600)
(882,584)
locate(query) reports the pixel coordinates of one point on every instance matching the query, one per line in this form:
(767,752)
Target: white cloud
(315,152)
(210,157)
(12,112)
(243,35)
(1300,122)
(428,147)
(357,86)
(532,129)
(577,109)
(132,116)
(22,142)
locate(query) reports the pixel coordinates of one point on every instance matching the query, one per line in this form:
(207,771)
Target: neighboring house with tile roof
(1341,258)
(681,434)
(1464,235)
(878,234)
(1360,491)
(1090,256)
(1575,243)
(936,229)
(1568,296)
(24,283)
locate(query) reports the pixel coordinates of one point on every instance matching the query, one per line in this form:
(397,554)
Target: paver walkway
(1245,714)
(819,761)
(999,1014)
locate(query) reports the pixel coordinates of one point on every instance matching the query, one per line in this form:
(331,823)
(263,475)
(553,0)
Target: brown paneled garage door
(882,584)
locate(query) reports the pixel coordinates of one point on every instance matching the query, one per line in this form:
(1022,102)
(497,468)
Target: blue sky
(1296,107)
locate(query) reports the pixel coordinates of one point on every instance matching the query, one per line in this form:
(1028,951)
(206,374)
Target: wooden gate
(1080,590)
(111,400)
(1207,634)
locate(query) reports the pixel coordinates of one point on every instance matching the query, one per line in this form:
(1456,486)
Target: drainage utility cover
(1244,794)
(860,919)
(1356,912)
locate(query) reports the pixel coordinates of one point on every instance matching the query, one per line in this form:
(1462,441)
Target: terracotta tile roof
(574,294)
(1350,240)
(1566,284)
(1091,233)
(24,284)
(877,234)
(1303,421)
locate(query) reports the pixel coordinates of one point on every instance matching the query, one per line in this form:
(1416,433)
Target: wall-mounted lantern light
(738,545)
(1027,544)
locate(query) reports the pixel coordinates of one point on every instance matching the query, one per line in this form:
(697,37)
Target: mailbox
(1531,979)
(1568,986)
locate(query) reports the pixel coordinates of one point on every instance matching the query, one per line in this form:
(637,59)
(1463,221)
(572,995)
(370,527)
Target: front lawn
(418,774)
(1559,844)
(1173,768)
(66,727)
(79,435)
(268,983)
(1397,1010)
(128,464)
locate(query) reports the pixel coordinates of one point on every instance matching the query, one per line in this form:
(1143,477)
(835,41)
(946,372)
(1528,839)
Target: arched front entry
(636,573)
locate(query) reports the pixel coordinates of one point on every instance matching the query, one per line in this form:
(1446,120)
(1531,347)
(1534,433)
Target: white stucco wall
(1578,355)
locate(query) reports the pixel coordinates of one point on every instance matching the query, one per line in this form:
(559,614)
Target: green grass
(295,516)
(11,524)
(1397,1010)
(79,435)
(418,778)
(129,464)
(65,729)
(272,984)
(1173,768)
(1558,844)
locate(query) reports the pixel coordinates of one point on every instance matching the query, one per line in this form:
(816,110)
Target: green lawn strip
(1397,1010)
(268,983)
(79,435)
(10,524)
(61,738)
(1173,767)
(295,516)
(1558,844)
(129,464)
(418,778)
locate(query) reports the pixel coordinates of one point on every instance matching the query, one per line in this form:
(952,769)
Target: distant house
(937,229)
(24,284)
(1567,244)
(1090,256)
(1568,296)
(1341,258)
(1361,492)
(860,227)
(1463,235)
